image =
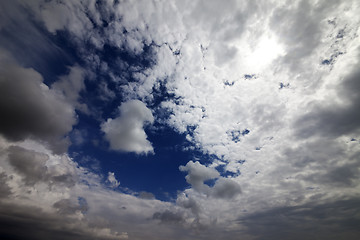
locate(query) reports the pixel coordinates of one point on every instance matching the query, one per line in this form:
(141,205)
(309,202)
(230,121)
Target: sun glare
(264,53)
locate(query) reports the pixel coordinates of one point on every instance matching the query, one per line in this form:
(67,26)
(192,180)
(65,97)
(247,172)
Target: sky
(179,119)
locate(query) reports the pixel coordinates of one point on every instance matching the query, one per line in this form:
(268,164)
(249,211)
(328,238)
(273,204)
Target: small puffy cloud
(197,174)
(112,180)
(29,109)
(126,132)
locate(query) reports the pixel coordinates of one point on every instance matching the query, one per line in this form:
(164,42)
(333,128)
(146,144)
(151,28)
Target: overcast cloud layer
(266,91)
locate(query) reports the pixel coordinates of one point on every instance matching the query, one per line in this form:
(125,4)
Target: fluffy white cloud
(126,132)
(197,174)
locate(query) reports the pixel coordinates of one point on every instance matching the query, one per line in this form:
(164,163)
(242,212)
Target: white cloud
(112,180)
(197,174)
(126,132)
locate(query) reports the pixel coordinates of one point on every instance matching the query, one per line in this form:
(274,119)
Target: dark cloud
(332,119)
(29,109)
(35,224)
(5,190)
(333,220)
(339,176)
(32,167)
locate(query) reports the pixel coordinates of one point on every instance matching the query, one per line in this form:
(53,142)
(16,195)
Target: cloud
(323,221)
(226,188)
(126,132)
(71,86)
(332,119)
(197,174)
(112,180)
(31,165)
(31,109)
(215,69)
(5,190)
(37,224)
(168,217)
(67,206)
(146,195)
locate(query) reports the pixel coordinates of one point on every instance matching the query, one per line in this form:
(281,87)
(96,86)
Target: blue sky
(179,119)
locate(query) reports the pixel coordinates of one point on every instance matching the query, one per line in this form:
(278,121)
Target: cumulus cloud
(126,132)
(31,110)
(198,174)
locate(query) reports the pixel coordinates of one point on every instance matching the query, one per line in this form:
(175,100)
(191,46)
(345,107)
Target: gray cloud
(32,167)
(189,203)
(67,206)
(31,110)
(169,217)
(226,188)
(333,119)
(299,27)
(333,220)
(30,164)
(5,190)
(146,195)
(36,224)
(322,162)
